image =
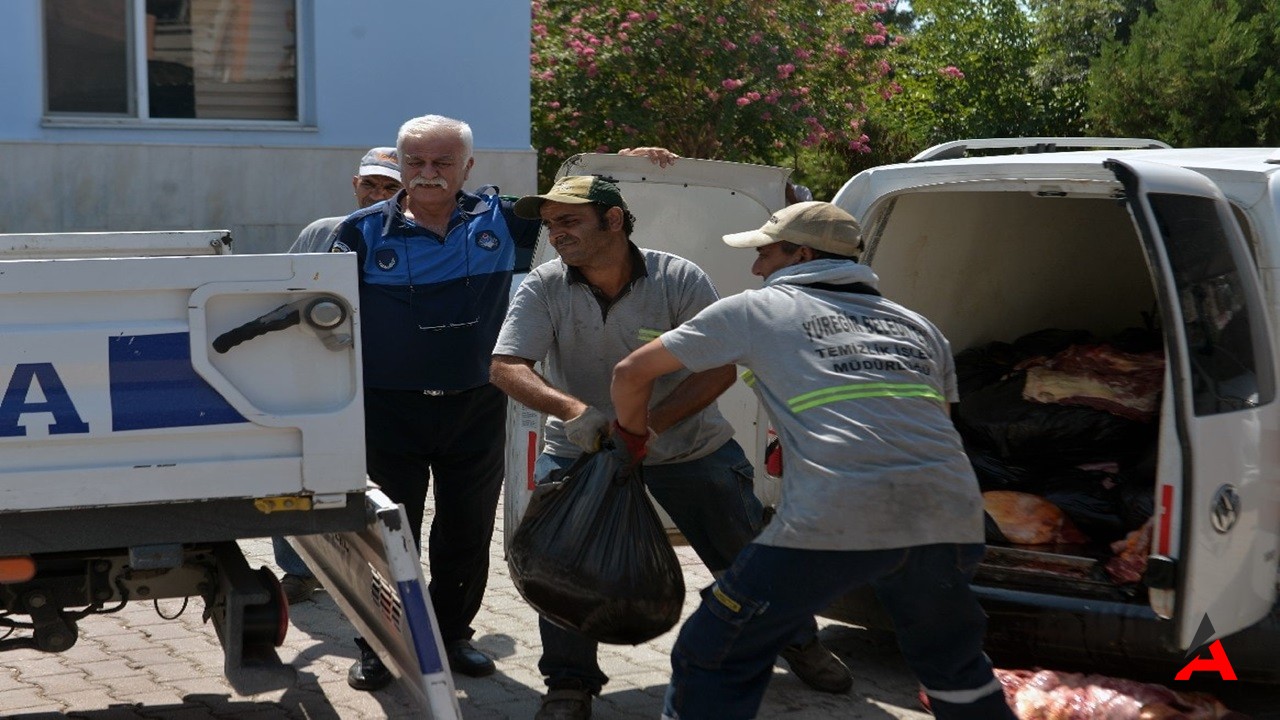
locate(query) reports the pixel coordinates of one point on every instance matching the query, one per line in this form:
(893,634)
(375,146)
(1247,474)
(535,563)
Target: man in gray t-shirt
(377,178)
(877,489)
(579,315)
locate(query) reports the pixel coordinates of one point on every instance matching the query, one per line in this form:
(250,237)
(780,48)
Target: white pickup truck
(1079,234)
(162,399)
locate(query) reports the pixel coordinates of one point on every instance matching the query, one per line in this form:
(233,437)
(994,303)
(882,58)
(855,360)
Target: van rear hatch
(1021,259)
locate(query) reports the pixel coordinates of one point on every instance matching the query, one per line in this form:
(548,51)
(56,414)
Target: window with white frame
(168,59)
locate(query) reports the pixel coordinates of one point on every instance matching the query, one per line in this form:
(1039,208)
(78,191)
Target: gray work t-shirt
(856,387)
(317,237)
(559,322)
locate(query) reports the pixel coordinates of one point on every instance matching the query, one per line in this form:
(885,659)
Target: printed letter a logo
(1217,660)
(16,402)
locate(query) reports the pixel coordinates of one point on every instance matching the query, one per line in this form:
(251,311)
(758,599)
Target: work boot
(565,704)
(298,588)
(368,673)
(464,658)
(817,667)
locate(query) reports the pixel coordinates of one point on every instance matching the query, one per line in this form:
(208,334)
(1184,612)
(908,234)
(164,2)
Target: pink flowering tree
(729,79)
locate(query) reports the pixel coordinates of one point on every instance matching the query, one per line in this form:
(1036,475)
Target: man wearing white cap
(377,178)
(878,490)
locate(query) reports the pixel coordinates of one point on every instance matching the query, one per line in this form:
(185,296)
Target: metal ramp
(375,577)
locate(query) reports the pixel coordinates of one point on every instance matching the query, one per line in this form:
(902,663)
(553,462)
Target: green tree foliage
(1195,72)
(1068,36)
(965,71)
(730,79)
(831,87)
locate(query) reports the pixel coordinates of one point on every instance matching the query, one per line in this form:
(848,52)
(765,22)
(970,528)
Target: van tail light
(17,569)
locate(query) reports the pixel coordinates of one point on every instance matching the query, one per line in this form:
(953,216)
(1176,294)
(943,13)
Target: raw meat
(1098,376)
(1131,553)
(1052,695)
(1027,519)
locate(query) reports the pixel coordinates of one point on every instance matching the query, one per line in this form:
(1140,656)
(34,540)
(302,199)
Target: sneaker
(565,704)
(298,588)
(817,667)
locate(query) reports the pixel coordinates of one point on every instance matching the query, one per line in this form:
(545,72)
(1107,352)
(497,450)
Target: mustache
(433,182)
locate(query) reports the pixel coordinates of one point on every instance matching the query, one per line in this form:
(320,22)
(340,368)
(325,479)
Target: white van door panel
(683,209)
(1216,509)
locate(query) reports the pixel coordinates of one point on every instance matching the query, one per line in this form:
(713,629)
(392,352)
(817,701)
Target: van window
(1225,360)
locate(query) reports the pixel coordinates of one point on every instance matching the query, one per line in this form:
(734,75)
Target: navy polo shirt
(431,306)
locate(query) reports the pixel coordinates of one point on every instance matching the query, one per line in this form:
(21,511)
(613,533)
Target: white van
(1111,236)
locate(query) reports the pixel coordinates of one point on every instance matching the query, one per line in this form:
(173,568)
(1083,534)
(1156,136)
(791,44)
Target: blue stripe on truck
(153,385)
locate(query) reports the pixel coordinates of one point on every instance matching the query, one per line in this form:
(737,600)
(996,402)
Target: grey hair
(432,125)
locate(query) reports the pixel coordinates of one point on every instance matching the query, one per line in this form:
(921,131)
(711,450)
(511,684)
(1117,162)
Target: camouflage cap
(575,190)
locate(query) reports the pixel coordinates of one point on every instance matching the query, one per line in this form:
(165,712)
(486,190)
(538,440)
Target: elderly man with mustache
(436,265)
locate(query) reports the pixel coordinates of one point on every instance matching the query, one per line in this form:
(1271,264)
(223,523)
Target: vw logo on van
(1226,508)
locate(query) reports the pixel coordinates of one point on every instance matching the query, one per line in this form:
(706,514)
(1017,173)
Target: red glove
(636,446)
(773,458)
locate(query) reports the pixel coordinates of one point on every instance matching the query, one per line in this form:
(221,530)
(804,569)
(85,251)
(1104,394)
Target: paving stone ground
(134,664)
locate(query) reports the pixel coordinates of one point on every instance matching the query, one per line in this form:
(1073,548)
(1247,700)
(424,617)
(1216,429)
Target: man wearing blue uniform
(435,273)
(377,178)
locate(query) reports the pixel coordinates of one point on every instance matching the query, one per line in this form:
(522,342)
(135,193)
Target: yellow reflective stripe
(725,600)
(749,378)
(858,391)
(647,334)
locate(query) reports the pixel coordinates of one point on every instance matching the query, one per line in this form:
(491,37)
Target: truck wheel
(267,623)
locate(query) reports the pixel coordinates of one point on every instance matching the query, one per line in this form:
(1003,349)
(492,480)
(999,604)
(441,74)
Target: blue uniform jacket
(431,306)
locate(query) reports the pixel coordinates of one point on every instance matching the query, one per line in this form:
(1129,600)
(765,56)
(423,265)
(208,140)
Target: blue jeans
(724,655)
(712,502)
(288,560)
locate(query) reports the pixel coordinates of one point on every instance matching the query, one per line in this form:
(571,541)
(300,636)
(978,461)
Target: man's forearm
(517,378)
(692,395)
(633,384)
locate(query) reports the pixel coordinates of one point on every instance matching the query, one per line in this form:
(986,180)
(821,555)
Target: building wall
(364,68)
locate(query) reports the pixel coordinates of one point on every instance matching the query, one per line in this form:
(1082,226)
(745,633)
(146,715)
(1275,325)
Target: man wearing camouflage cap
(579,315)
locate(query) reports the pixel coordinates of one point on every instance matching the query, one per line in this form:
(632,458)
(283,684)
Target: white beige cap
(819,225)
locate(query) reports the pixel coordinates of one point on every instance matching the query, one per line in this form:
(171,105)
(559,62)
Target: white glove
(587,429)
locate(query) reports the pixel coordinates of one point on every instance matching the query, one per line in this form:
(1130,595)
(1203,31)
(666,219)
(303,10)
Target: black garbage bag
(998,419)
(1092,499)
(591,555)
(1137,505)
(981,366)
(996,474)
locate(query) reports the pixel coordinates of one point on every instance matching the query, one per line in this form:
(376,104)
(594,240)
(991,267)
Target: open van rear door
(1214,548)
(683,209)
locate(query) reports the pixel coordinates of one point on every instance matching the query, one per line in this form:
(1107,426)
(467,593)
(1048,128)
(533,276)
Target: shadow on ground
(308,706)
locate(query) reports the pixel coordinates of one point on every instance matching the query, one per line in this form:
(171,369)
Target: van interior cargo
(1049,306)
